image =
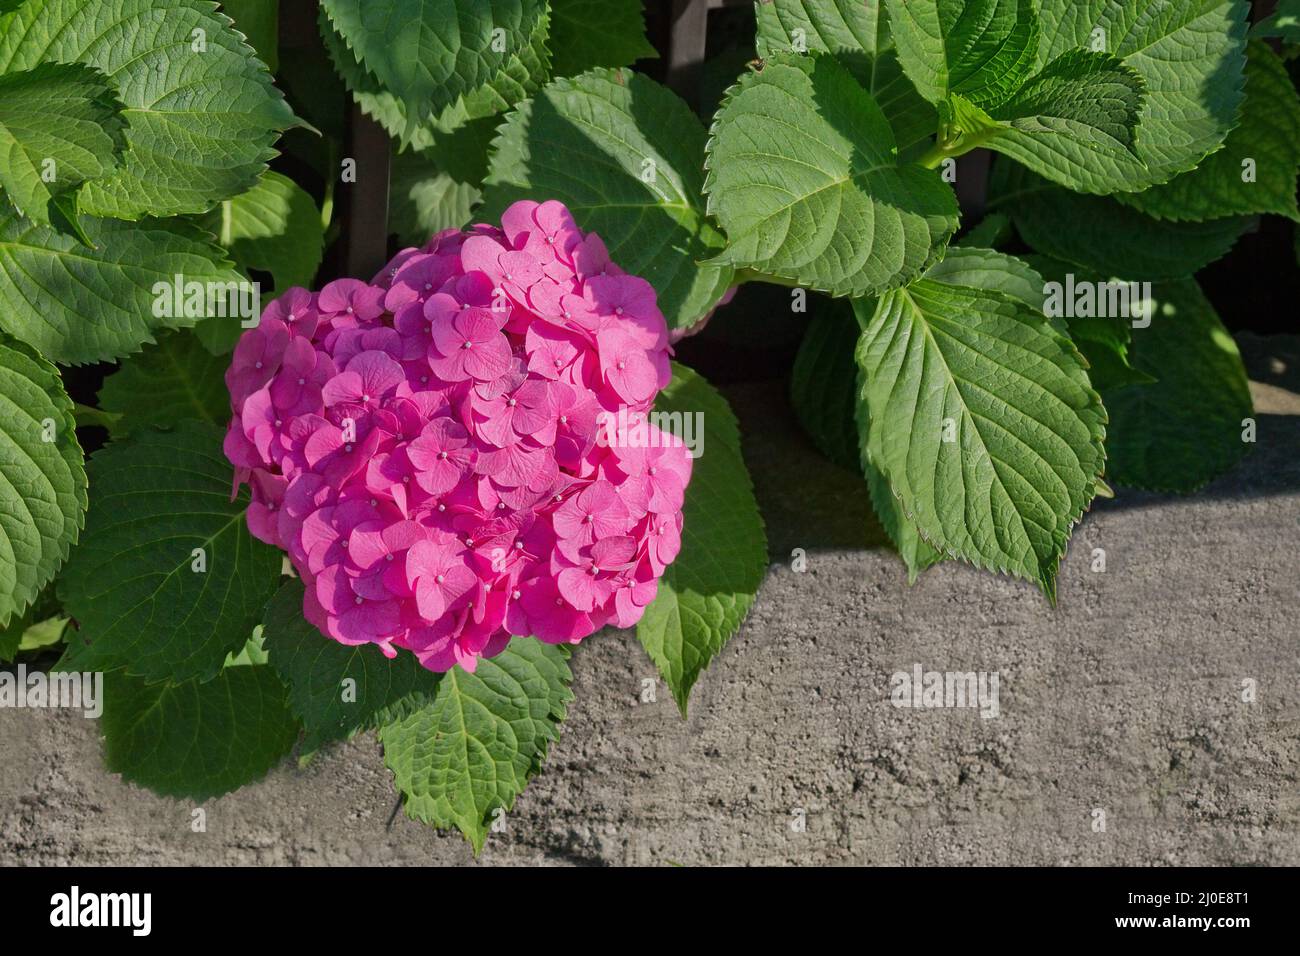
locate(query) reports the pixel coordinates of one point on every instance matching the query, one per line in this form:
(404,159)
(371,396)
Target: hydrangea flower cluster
(432,451)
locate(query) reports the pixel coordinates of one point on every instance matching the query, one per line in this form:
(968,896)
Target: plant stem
(935,155)
(85,415)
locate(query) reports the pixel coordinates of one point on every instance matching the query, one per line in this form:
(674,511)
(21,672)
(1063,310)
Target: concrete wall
(1125,699)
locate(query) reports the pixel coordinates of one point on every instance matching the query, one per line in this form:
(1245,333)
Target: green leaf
(461,152)
(1190,53)
(252,653)
(79,304)
(472,749)
(851,30)
(11,635)
(42,478)
(982,50)
(524,71)
(824,389)
(423,200)
(969,266)
(990,232)
(1010,393)
(706,592)
(314,667)
(1102,337)
(1268,138)
(200,122)
(259,22)
(1283,23)
(918,554)
(429,53)
(196,740)
(173,380)
(587,33)
(823,382)
(133,584)
(1186,428)
(856,35)
(803,176)
(60,125)
(625,155)
(1105,236)
(979,268)
(275,227)
(1067,123)
(40,626)
(318,94)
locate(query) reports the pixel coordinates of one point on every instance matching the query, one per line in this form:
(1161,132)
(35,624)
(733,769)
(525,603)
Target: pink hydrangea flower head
(427,447)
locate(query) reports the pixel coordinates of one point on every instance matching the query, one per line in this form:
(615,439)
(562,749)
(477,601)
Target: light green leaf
(1067,123)
(1190,53)
(196,740)
(42,625)
(275,227)
(161,509)
(804,178)
(982,50)
(1186,428)
(471,750)
(980,268)
(423,200)
(173,380)
(252,653)
(918,554)
(314,667)
(587,33)
(850,29)
(60,121)
(969,266)
(1283,22)
(42,479)
(429,53)
(202,113)
(1268,139)
(706,592)
(259,22)
(79,304)
(1105,236)
(982,419)
(625,155)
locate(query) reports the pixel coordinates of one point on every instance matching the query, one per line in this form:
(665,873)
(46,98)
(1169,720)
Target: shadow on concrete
(811,503)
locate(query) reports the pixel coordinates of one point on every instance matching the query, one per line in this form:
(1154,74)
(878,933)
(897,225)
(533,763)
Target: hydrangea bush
(447,474)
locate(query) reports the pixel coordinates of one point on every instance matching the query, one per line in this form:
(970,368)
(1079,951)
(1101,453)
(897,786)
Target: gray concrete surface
(1125,699)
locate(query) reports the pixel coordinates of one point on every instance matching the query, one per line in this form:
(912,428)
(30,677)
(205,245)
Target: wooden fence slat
(366,231)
